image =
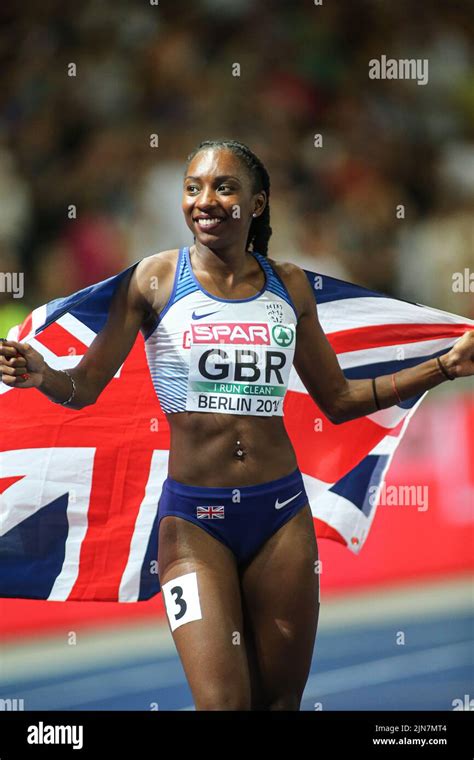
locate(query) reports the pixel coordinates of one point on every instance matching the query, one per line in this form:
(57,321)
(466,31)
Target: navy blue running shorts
(244,517)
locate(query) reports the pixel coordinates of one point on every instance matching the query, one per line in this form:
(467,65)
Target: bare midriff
(228,450)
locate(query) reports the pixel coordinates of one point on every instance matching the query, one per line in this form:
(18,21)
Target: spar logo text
(238,333)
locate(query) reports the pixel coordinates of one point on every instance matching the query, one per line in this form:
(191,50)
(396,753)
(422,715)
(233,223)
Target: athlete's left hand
(459,361)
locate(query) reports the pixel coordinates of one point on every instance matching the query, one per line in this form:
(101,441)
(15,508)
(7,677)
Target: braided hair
(260,230)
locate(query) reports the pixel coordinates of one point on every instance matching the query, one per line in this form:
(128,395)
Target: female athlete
(237,552)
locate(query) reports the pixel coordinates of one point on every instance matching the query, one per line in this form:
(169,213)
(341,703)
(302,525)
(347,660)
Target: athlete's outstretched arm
(103,358)
(342,399)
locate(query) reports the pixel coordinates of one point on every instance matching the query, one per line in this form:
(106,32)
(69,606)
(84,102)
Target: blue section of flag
(32,553)
(90,305)
(355,485)
(333,289)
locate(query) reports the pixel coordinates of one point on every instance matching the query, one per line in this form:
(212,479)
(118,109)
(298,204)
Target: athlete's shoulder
(160,260)
(154,276)
(287,268)
(295,280)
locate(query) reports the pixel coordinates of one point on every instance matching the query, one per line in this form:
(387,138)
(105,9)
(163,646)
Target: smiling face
(218,198)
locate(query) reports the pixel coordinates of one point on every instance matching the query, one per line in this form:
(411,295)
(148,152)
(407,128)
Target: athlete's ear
(261,202)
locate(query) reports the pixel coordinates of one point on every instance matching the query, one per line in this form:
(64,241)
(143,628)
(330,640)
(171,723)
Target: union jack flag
(209,512)
(79,489)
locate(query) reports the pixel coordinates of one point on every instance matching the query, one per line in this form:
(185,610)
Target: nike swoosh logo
(279,505)
(200,316)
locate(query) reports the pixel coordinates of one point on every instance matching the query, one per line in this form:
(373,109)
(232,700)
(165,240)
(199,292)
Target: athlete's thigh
(280,589)
(203,602)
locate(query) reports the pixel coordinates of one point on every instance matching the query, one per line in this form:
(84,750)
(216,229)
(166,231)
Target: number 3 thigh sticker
(182,600)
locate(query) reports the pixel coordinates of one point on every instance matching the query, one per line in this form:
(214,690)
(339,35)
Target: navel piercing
(239,452)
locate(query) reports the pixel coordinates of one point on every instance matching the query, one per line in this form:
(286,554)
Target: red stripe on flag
(323,530)
(65,344)
(7,482)
(100,571)
(324,450)
(372,336)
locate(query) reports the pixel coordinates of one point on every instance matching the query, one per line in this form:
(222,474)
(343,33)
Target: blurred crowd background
(166,69)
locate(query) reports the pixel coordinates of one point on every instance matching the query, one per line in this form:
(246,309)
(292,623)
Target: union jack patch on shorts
(209,512)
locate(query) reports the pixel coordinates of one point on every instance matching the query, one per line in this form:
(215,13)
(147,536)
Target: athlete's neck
(223,262)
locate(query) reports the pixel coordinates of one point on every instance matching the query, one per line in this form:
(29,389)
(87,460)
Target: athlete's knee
(289,701)
(223,699)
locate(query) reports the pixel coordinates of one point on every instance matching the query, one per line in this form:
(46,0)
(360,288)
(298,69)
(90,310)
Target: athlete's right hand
(17,359)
